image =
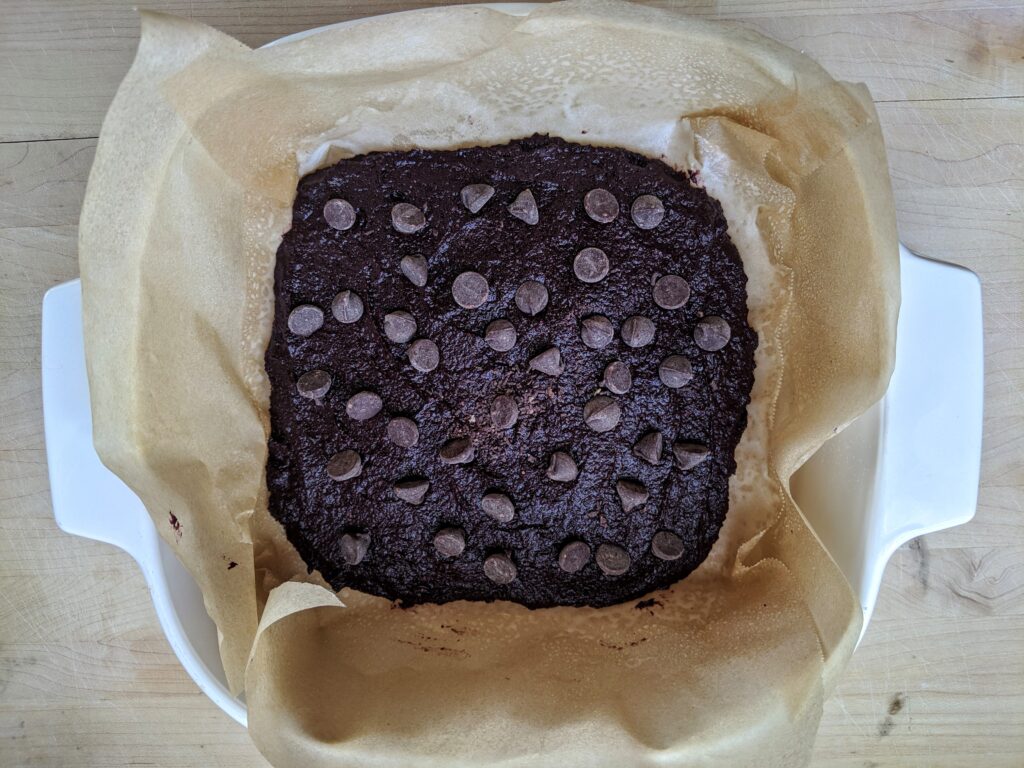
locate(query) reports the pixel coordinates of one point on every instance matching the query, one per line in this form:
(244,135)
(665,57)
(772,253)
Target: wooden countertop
(86,676)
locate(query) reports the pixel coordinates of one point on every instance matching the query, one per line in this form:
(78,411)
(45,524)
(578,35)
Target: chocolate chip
(347,307)
(344,466)
(637,331)
(407,218)
(354,547)
(649,447)
(450,542)
(591,265)
(339,214)
(689,455)
(475,196)
(415,270)
(500,569)
(562,467)
(667,546)
(613,560)
(363,405)
(712,333)
(531,297)
(671,292)
(412,490)
(597,331)
(601,413)
(403,432)
(617,378)
(499,506)
(424,355)
(549,361)
(500,335)
(631,493)
(524,208)
(458,450)
(470,290)
(573,556)
(601,205)
(647,211)
(305,320)
(675,371)
(504,412)
(314,384)
(399,326)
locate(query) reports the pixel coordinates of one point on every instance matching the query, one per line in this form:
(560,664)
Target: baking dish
(907,467)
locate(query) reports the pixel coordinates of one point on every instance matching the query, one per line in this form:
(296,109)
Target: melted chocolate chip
(450,542)
(415,270)
(458,450)
(305,320)
(504,412)
(363,405)
(647,211)
(675,371)
(617,378)
(476,196)
(671,292)
(712,333)
(344,465)
(412,490)
(637,331)
(339,214)
(667,545)
(573,556)
(612,559)
(407,219)
(591,265)
(347,307)
(649,447)
(562,467)
(354,547)
(470,290)
(524,208)
(500,335)
(314,384)
(500,569)
(424,355)
(531,297)
(689,455)
(549,361)
(403,432)
(597,331)
(499,506)
(601,205)
(601,414)
(632,494)
(399,326)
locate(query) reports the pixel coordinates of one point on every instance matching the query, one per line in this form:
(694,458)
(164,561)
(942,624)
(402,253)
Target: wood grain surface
(86,676)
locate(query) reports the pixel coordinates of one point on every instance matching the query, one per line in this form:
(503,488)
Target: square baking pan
(906,467)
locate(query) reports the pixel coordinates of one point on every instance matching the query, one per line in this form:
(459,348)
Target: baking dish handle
(932,411)
(88,499)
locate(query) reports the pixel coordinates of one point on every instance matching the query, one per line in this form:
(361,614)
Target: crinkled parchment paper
(189,196)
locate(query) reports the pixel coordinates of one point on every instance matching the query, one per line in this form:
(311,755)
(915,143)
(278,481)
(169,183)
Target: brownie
(515,372)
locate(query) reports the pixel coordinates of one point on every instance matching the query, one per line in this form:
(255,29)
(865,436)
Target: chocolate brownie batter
(515,372)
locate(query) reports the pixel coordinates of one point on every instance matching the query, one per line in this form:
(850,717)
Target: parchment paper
(189,196)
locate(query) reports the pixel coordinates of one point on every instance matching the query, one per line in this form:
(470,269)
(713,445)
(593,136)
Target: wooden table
(86,676)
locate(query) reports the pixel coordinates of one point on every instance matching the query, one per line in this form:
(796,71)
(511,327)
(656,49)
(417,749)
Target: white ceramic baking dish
(907,467)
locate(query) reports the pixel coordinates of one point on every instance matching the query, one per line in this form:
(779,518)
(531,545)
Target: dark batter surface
(398,556)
